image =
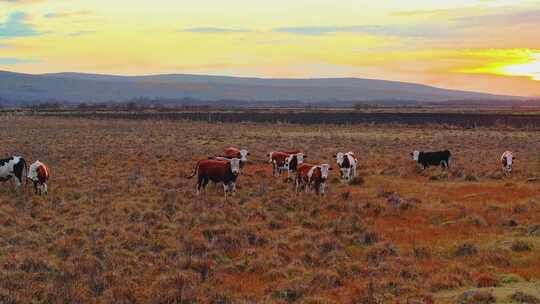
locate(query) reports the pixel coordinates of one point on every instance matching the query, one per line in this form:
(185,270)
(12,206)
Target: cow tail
(194,171)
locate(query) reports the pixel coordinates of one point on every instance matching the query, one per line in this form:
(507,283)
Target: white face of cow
(243,155)
(509,161)
(325,169)
(300,158)
(339,158)
(415,155)
(235,165)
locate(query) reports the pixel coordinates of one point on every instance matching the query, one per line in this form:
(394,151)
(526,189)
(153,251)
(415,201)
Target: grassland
(122,224)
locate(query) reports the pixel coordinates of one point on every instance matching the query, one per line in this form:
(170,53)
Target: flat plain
(122,224)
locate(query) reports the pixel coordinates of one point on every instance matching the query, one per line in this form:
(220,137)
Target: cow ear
(305,156)
(248,153)
(330,168)
(334,156)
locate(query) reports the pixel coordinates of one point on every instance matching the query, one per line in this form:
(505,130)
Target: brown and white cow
(507,160)
(217,171)
(347,164)
(285,161)
(38,173)
(312,176)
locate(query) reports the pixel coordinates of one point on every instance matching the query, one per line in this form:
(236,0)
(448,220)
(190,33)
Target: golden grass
(121,224)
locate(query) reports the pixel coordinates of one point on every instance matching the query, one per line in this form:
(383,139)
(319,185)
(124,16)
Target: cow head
(508,160)
(269,155)
(415,155)
(339,158)
(300,158)
(325,170)
(235,165)
(243,155)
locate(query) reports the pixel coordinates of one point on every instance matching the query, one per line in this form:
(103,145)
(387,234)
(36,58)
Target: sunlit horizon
(474,45)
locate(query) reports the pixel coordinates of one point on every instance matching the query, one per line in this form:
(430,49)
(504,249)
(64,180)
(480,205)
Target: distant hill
(23,89)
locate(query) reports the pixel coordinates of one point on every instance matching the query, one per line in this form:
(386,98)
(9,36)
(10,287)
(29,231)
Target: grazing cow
(217,171)
(312,176)
(507,159)
(426,159)
(13,167)
(38,173)
(347,164)
(285,161)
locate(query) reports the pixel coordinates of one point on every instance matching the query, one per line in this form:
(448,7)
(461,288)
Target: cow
(217,171)
(507,160)
(277,159)
(38,173)
(426,159)
(285,161)
(312,176)
(291,164)
(13,167)
(347,165)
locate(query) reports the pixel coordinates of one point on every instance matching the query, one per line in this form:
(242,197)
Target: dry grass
(121,224)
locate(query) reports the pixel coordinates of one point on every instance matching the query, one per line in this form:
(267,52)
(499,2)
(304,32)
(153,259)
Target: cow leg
(321,188)
(444,164)
(206,180)
(225,189)
(35,188)
(18,183)
(200,184)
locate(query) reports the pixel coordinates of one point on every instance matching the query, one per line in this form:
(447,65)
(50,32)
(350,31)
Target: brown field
(122,224)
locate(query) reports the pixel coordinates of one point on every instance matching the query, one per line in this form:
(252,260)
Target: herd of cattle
(226,168)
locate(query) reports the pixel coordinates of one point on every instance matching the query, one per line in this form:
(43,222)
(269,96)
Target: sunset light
(472,45)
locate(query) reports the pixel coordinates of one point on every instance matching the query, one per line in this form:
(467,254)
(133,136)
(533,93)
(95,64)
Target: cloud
(530,17)
(14,61)
(68,14)
(5,46)
(419,30)
(16,26)
(214,30)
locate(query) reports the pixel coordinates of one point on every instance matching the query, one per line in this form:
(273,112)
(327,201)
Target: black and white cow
(426,159)
(291,164)
(347,164)
(13,167)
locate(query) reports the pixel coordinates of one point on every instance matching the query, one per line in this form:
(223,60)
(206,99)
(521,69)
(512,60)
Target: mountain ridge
(73,87)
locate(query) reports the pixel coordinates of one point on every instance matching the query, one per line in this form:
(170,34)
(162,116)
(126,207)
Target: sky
(477,45)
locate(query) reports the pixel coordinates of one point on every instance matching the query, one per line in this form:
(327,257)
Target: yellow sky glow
(479,45)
